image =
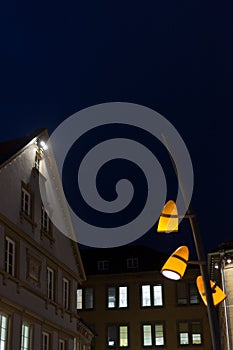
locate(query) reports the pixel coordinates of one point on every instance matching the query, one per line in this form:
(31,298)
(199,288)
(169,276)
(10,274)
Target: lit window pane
(183,333)
(158,297)
(159,336)
(111,297)
(79,299)
(184,338)
(122,296)
(147,335)
(3,332)
(196,333)
(123,336)
(146,298)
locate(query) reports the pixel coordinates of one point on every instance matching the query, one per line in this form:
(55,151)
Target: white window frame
(3,331)
(9,268)
(26,336)
(66,293)
(50,283)
(26,201)
(62,344)
(45,222)
(45,340)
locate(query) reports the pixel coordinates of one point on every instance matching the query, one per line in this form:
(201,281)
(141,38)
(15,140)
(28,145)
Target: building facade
(221,270)
(40,267)
(131,305)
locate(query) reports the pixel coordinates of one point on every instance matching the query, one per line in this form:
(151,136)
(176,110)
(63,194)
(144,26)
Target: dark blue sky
(174,57)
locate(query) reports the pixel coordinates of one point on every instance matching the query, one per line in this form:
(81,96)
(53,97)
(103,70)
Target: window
(103,265)
(37,160)
(26,337)
(45,341)
(190,333)
(153,335)
(117,336)
(159,334)
(10,256)
(26,202)
(85,298)
(147,335)
(45,222)
(117,297)
(62,344)
(50,283)
(3,331)
(152,295)
(132,263)
(34,267)
(187,293)
(66,291)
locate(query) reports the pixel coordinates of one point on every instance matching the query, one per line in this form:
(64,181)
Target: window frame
(46,334)
(30,334)
(190,333)
(51,298)
(117,297)
(9,240)
(28,215)
(153,334)
(83,300)
(117,335)
(66,302)
(5,340)
(132,263)
(152,295)
(103,265)
(187,293)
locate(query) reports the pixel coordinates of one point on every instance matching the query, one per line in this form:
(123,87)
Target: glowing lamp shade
(168,221)
(174,268)
(217,293)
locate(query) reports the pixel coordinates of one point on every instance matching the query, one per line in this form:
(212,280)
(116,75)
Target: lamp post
(212,316)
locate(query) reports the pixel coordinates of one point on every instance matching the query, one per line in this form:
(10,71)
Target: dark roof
(223,246)
(148,259)
(9,148)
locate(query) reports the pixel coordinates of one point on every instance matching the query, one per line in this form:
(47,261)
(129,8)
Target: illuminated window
(147,335)
(3,331)
(153,334)
(117,336)
(10,256)
(152,295)
(117,297)
(85,298)
(159,335)
(123,335)
(66,291)
(50,284)
(26,336)
(190,333)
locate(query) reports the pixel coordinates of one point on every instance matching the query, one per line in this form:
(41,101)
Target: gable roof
(9,149)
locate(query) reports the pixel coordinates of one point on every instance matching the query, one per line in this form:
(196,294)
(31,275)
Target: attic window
(103,265)
(132,263)
(37,161)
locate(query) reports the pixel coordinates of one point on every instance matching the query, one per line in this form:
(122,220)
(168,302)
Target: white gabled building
(40,268)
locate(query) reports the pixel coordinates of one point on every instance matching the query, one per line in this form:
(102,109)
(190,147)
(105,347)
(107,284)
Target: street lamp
(180,258)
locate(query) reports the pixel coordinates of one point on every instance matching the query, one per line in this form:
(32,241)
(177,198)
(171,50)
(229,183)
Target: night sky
(172,56)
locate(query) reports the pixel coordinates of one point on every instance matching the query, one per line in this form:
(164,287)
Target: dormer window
(26,202)
(103,265)
(37,161)
(132,263)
